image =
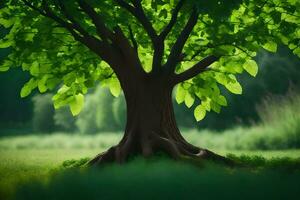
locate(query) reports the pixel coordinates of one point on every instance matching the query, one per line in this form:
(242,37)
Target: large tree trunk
(151,126)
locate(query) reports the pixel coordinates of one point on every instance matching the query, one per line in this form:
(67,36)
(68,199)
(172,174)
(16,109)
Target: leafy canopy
(233,30)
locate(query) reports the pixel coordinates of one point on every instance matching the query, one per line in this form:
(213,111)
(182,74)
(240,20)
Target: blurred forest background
(265,116)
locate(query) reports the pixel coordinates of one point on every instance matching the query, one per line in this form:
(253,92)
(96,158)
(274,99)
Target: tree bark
(151,126)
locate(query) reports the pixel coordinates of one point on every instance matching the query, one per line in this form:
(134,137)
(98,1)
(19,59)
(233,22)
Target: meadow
(40,166)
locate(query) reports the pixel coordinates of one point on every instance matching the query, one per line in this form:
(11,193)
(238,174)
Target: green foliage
(233,30)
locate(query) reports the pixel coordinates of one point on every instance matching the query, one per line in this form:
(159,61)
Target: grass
(44,157)
(18,166)
(165,179)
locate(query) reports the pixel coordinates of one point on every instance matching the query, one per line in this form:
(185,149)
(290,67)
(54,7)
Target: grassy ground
(37,157)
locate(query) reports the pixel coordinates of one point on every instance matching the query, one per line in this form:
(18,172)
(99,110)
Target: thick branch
(159,47)
(159,44)
(140,15)
(69,17)
(132,38)
(121,46)
(195,70)
(181,40)
(126,51)
(102,30)
(172,22)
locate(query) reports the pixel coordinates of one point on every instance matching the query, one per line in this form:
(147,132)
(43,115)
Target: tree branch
(132,38)
(65,12)
(127,53)
(138,12)
(172,22)
(195,70)
(159,47)
(140,15)
(181,40)
(159,44)
(102,30)
(120,45)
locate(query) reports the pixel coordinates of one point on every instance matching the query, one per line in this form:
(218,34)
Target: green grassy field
(25,159)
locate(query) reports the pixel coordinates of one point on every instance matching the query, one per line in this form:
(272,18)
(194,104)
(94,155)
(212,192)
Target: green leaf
(221,78)
(115,87)
(163,13)
(35,69)
(221,100)
(53,82)
(5,44)
(69,78)
(77,104)
(251,67)
(42,84)
(180,94)
(234,87)
(6,23)
(6,65)
(28,87)
(189,100)
(4,69)
(199,112)
(270,46)
(215,107)
(25,91)
(206,104)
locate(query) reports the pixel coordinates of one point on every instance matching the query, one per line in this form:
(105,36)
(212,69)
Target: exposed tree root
(178,150)
(151,128)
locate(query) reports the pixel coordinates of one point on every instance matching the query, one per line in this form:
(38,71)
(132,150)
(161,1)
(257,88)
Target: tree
(145,48)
